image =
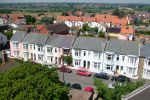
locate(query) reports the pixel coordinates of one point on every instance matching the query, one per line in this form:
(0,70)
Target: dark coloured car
(120,78)
(102,75)
(65,69)
(76,86)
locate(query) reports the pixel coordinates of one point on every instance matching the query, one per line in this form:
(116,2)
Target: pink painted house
(16,45)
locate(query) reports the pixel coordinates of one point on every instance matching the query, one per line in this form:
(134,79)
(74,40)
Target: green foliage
(145,32)
(47,20)
(30,19)
(101,34)
(9,34)
(86,27)
(31,81)
(119,13)
(119,90)
(65,13)
(68,59)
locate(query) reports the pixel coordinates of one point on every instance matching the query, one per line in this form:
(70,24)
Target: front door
(84,64)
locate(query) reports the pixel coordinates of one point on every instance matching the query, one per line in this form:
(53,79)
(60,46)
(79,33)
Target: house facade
(88,53)
(115,57)
(146,56)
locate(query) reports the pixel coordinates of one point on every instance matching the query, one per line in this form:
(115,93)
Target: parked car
(102,75)
(83,72)
(65,69)
(76,86)
(120,78)
(88,89)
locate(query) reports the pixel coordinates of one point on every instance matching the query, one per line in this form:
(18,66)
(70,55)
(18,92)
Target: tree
(86,27)
(68,59)
(9,34)
(32,81)
(30,19)
(47,20)
(119,13)
(65,14)
(101,34)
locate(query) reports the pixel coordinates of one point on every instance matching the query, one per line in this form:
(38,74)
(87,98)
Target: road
(82,80)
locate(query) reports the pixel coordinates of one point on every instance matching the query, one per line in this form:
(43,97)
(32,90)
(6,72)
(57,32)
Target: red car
(83,72)
(88,89)
(65,69)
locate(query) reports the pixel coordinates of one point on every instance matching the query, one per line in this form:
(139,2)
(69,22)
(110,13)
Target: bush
(101,34)
(68,59)
(119,90)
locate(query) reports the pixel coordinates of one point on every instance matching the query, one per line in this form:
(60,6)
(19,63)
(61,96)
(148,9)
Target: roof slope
(18,36)
(57,28)
(35,38)
(88,43)
(145,50)
(123,47)
(64,41)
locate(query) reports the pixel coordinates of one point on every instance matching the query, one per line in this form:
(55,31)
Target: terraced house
(129,58)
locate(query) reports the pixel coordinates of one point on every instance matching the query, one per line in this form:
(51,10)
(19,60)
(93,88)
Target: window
(130,70)
(15,44)
(55,50)
(30,46)
(40,48)
(109,67)
(146,73)
(25,46)
(117,57)
(89,53)
(77,62)
(147,62)
(109,57)
(84,53)
(77,53)
(121,69)
(97,54)
(16,53)
(131,60)
(26,54)
(50,58)
(97,65)
(123,57)
(34,47)
(49,49)
(40,57)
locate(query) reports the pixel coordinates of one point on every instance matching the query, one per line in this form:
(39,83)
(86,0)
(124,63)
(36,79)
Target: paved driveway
(82,80)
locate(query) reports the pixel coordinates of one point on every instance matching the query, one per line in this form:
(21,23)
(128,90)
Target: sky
(85,1)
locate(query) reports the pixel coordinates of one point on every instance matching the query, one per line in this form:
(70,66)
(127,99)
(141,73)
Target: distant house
(127,32)
(58,28)
(106,20)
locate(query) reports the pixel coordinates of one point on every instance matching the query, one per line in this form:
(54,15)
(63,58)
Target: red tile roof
(106,18)
(127,30)
(42,29)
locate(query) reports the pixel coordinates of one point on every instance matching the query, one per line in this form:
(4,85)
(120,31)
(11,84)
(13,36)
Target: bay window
(77,62)
(15,44)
